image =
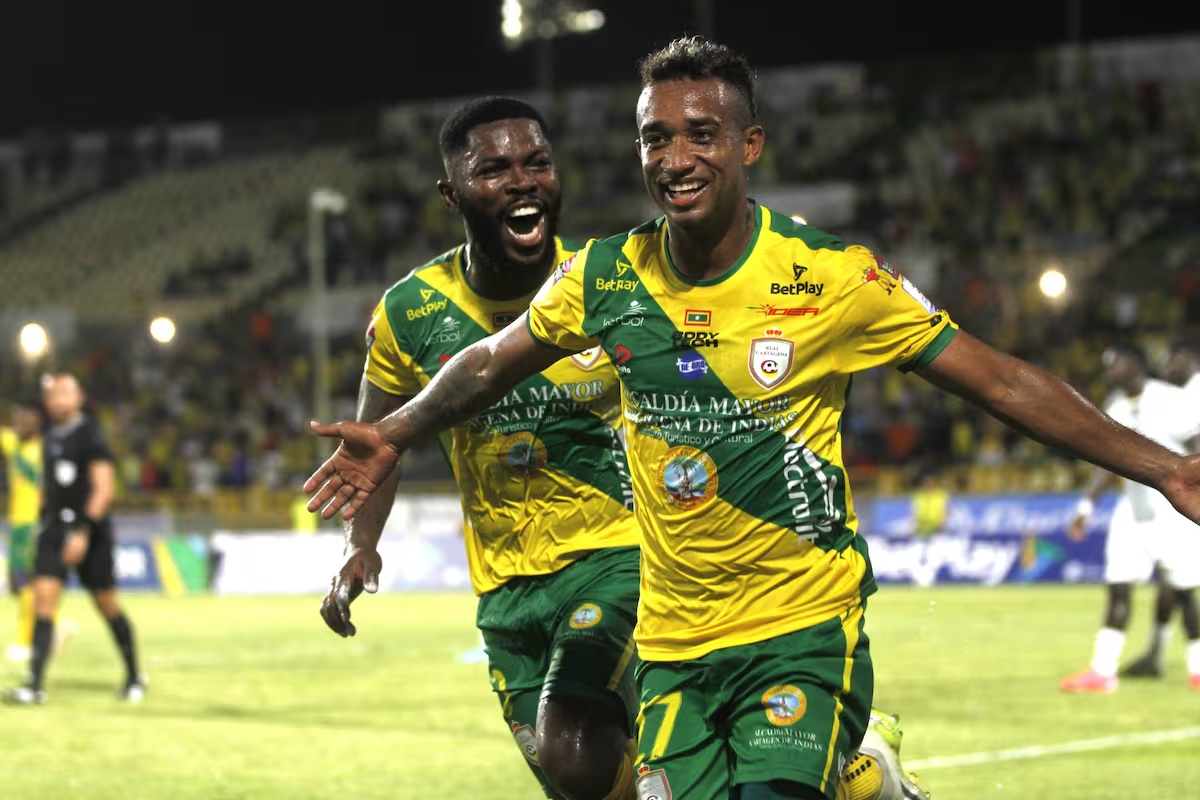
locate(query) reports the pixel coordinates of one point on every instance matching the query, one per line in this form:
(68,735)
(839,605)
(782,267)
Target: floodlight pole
(320,202)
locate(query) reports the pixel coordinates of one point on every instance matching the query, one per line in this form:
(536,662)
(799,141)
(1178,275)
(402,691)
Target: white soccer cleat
(24,696)
(134,691)
(882,743)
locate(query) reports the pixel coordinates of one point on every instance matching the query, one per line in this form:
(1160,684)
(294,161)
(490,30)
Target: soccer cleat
(881,744)
(25,696)
(1090,682)
(1145,666)
(1194,682)
(134,691)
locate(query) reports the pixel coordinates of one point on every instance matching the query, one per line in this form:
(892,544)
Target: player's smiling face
(696,140)
(507,188)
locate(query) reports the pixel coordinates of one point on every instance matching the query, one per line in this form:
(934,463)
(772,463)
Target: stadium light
(162,329)
(34,341)
(1052,283)
(511,24)
(585,21)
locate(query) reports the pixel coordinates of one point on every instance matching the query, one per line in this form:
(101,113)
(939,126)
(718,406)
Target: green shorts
(569,632)
(792,708)
(20,553)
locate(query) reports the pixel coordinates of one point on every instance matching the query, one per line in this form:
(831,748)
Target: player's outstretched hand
(359,573)
(361,463)
(1183,488)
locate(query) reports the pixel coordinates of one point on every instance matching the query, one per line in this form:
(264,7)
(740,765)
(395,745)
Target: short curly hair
(697,58)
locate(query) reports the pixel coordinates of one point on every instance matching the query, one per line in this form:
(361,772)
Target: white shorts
(1134,547)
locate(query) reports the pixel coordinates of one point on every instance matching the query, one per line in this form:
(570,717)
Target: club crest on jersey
(652,784)
(522,452)
(784,705)
(588,358)
(771,358)
(586,616)
(688,476)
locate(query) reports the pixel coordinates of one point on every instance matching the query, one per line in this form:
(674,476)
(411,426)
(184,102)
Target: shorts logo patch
(652,784)
(784,705)
(526,740)
(586,616)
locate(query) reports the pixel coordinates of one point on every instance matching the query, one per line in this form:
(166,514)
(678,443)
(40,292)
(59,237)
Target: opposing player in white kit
(1145,528)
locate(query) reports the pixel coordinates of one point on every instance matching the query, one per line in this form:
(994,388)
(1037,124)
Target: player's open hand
(353,472)
(359,573)
(1183,488)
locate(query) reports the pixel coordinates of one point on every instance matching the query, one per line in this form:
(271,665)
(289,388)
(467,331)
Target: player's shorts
(792,708)
(1167,538)
(20,554)
(97,569)
(569,632)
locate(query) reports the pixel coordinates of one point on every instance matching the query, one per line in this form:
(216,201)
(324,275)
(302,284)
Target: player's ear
(753,139)
(449,196)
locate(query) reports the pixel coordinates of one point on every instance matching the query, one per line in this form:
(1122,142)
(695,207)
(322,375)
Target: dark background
(102,64)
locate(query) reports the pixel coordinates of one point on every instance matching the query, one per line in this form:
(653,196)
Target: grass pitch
(253,699)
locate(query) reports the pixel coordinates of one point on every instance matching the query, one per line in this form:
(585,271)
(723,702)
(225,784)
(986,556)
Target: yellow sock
(624,787)
(25,617)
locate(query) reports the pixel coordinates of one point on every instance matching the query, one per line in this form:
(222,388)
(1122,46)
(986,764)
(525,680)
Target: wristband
(1085,507)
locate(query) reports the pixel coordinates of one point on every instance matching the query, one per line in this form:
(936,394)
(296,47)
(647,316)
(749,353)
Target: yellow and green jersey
(24,462)
(733,393)
(542,474)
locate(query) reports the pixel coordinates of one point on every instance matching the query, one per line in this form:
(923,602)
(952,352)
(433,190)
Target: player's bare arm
(1048,410)
(470,383)
(359,571)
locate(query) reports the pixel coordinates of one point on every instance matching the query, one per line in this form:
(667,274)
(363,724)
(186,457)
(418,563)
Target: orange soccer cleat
(1089,681)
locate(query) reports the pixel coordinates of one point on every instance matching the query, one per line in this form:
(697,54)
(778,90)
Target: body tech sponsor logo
(776,311)
(695,339)
(798,284)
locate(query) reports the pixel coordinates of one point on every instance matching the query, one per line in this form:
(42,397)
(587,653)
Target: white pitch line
(1044,750)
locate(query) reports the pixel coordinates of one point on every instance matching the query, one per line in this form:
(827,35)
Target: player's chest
(746,349)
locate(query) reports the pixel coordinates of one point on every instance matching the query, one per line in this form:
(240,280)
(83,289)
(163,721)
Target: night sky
(87,65)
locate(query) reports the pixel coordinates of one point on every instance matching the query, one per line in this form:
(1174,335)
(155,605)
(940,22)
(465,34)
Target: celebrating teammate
(1144,529)
(75,533)
(550,532)
(738,332)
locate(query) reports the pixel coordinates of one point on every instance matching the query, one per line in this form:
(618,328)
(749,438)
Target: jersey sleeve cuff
(930,351)
(534,334)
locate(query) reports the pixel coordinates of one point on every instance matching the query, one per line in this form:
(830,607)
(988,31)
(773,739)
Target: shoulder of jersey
(409,288)
(602,255)
(818,256)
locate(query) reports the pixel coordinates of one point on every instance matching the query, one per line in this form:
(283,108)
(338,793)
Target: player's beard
(487,235)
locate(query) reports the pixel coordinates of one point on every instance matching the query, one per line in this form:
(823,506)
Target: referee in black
(75,533)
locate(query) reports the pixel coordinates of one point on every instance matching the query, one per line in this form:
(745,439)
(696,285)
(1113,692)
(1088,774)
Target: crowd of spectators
(974,193)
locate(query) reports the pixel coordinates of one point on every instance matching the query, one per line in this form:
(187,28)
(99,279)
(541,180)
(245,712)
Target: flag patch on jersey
(370,336)
(561,270)
(694,316)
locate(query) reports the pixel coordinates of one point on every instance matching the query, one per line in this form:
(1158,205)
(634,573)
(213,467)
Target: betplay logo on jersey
(798,284)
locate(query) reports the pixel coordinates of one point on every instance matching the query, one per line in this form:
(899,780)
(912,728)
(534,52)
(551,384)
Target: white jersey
(1163,413)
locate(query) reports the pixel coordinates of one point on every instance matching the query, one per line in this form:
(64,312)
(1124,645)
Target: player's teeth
(684,187)
(527,211)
